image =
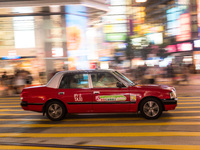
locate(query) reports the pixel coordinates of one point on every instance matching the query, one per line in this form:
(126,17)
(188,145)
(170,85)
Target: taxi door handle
(61,93)
(96,92)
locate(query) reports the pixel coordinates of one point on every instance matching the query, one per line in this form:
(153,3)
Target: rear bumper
(24,104)
(32,106)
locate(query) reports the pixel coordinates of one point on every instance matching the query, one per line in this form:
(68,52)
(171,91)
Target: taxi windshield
(123,77)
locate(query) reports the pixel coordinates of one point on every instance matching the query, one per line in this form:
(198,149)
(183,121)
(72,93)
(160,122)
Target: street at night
(99,74)
(177,129)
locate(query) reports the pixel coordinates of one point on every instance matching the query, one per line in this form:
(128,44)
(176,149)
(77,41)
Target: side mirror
(119,84)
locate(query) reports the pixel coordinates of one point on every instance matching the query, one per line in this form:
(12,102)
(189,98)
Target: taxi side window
(74,81)
(101,80)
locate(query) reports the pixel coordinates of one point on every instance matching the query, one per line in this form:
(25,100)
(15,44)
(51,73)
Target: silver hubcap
(55,111)
(151,108)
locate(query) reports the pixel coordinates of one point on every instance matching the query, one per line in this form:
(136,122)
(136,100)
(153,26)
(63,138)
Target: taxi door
(107,97)
(74,91)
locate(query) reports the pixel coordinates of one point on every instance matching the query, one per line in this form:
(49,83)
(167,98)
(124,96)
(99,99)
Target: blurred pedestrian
(19,83)
(29,78)
(150,75)
(4,77)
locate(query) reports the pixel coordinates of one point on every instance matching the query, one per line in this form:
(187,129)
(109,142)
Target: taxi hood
(154,86)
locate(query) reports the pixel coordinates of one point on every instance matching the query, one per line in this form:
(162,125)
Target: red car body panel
(97,100)
(40,95)
(72,100)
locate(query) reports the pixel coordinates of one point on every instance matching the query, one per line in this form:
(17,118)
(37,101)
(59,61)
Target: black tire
(151,108)
(55,111)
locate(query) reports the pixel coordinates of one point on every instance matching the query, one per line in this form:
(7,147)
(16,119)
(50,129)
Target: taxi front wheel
(151,108)
(55,111)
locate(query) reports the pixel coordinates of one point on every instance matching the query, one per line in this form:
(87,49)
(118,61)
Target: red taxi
(97,91)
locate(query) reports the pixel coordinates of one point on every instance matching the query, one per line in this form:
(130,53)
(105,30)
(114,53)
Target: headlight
(172,94)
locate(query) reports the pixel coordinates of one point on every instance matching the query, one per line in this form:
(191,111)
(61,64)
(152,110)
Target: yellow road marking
(9,103)
(10,98)
(4,101)
(24,119)
(179,112)
(1,114)
(188,107)
(188,97)
(181,117)
(96,125)
(10,106)
(4,110)
(30,113)
(121,134)
(102,119)
(190,103)
(168,147)
(15,147)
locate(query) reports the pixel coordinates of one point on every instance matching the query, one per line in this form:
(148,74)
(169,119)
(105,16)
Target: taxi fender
(151,94)
(50,100)
(157,94)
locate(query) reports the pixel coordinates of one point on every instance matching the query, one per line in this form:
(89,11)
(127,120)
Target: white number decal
(78,97)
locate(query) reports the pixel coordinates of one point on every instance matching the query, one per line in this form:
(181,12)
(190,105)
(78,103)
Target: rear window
(74,81)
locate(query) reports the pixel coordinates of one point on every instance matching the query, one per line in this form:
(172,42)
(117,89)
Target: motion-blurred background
(149,41)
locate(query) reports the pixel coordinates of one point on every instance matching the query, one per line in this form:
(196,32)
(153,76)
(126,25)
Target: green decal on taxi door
(110,98)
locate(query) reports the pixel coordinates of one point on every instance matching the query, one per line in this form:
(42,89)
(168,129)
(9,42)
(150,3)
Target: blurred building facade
(172,25)
(179,21)
(43,36)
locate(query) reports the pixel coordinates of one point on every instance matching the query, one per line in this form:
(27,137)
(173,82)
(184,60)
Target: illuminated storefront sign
(196,43)
(140,1)
(139,14)
(105,58)
(171,48)
(115,37)
(6,33)
(118,2)
(196,55)
(24,32)
(173,15)
(113,28)
(140,42)
(198,14)
(117,10)
(155,38)
(10,57)
(115,19)
(178,21)
(76,22)
(185,28)
(184,46)
(57,52)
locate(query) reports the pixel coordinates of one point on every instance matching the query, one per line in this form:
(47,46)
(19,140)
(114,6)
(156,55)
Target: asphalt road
(188,90)
(177,129)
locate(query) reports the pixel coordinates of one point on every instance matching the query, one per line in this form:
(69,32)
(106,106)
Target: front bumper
(169,101)
(170,104)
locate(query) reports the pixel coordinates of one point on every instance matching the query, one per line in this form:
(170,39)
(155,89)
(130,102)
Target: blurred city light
(129,36)
(140,1)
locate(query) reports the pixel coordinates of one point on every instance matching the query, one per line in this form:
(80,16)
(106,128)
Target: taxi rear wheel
(151,108)
(55,111)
